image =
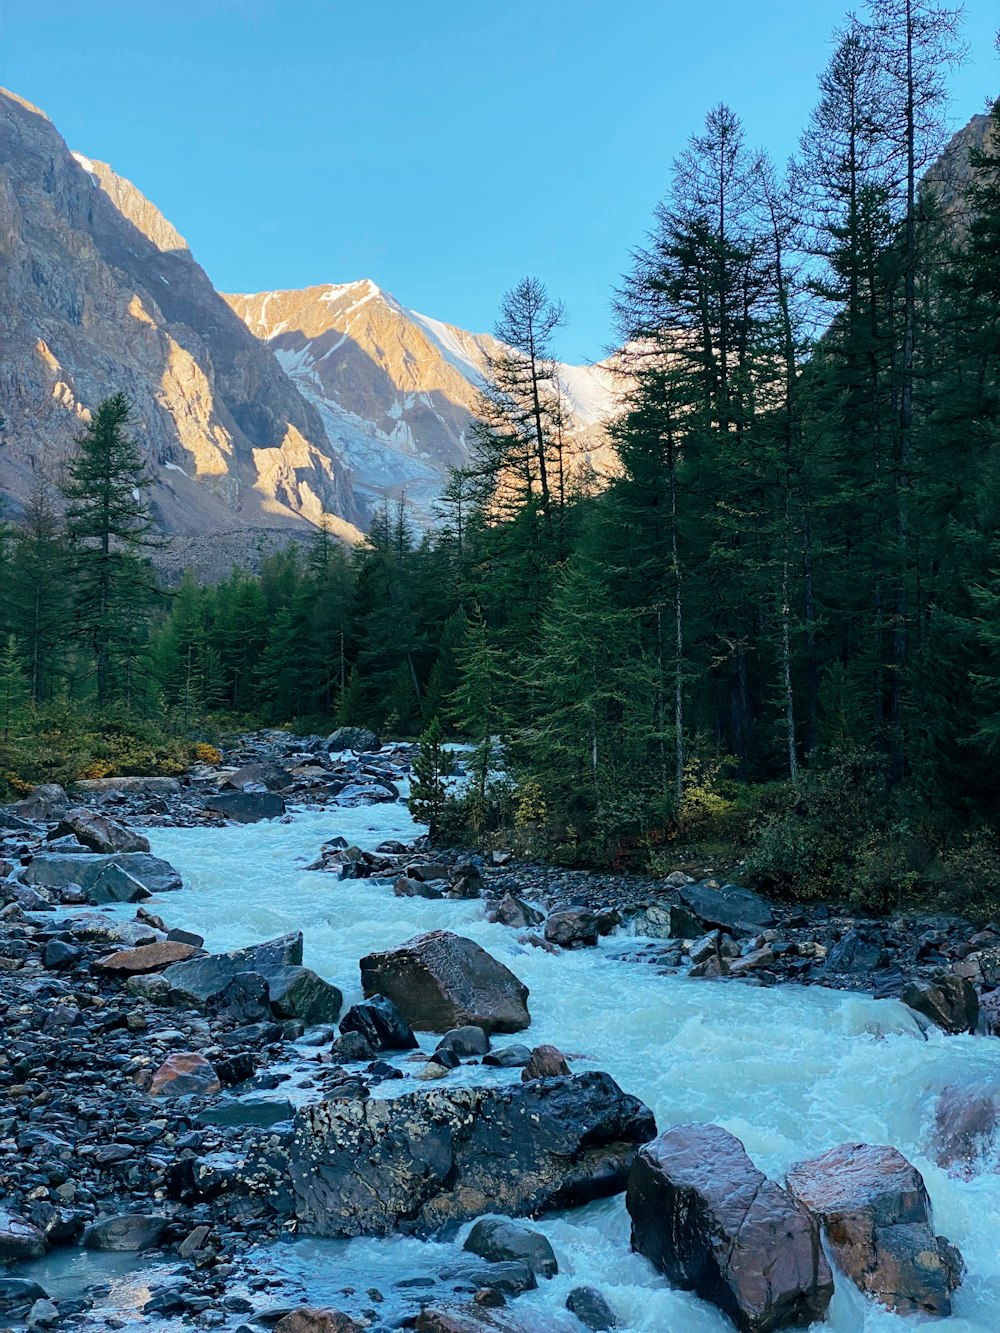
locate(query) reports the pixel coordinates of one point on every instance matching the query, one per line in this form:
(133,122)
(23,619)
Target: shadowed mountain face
(397,389)
(99,293)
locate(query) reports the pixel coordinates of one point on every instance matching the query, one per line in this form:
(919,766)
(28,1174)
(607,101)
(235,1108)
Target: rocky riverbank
(195,1109)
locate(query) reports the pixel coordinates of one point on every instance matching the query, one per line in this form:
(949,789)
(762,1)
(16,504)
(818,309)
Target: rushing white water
(791,1071)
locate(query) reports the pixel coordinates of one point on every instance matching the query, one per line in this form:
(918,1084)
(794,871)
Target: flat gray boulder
(198,980)
(246,807)
(139,786)
(727,906)
(57,870)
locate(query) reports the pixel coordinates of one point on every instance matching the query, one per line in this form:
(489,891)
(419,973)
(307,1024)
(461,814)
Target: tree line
(772,627)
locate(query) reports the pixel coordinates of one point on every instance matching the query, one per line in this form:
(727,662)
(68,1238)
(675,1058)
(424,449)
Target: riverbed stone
(380,1023)
(146,958)
(100,833)
(56,870)
(513,911)
(591,1309)
(19,1238)
(197,980)
(440,981)
(500,1238)
(125,1232)
(465,1041)
(18,1294)
(705,1216)
(572,928)
(360,739)
(184,1073)
(727,906)
(415,1162)
(298,992)
(948,1000)
(965,1124)
(45,802)
(246,807)
(876,1213)
(545,1062)
(317,1319)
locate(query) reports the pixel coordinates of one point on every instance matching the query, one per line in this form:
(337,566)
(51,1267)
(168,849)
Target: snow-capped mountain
(396,389)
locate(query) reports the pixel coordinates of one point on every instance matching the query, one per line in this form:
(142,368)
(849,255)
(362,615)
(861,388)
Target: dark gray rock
(572,928)
(57,955)
(441,981)
(415,1162)
(18,1294)
(501,1238)
(246,807)
(298,992)
(57,870)
(855,953)
(247,1111)
(198,980)
(19,1238)
(380,1023)
(269,775)
(515,1056)
(99,832)
(508,1276)
(44,803)
(465,1042)
(359,739)
(126,1232)
(591,1309)
(727,906)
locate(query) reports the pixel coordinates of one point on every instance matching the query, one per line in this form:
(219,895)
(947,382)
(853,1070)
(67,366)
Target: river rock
(18,1294)
(512,911)
(545,1062)
(19,1239)
(948,1000)
(197,980)
(54,870)
(441,981)
(854,953)
(146,958)
(466,1042)
(415,1162)
(246,807)
(501,1238)
(359,739)
(876,1213)
(245,999)
(115,885)
(45,803)
(966,1121)
(298,992)
(380,1023)
(318,1320)
(989,1013)
(126,1233)
(591,1309)
(572,928)
(269,775)
(407,887)
(136,786)
(184,1073)
(664,921)
(706,1217)
(728,906)
(99,832)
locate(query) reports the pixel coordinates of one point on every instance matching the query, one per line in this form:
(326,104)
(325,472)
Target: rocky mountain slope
(99,293)
(396,389)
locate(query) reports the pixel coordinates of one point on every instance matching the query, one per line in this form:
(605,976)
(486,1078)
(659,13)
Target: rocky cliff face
(99,293)
(397,389)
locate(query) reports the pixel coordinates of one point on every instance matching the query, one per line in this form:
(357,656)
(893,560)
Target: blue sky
(443,149)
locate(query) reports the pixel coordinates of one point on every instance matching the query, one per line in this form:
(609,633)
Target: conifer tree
(428,792)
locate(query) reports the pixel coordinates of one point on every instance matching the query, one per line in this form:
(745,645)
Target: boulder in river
(966,1122)
(19,1238)
(728,906)
(298,992)
(706,1217)
(591,1309)
(125,1232)
(876,1213)
(246,807)
(413,1163)
(269,775)
(441,981)
(948,1000)
(99,832)
(198,980)
(502,1238)
(317,1319)
(572,928)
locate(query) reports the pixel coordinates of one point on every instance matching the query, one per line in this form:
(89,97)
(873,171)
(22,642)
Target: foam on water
(791,1071)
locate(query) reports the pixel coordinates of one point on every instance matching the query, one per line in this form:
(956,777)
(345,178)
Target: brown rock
(949,1001)
(545,1062)
(706,1217)
(966,1121)
(441,981)
(876,1213)
(185,1073)
(315,1320)
(147,957)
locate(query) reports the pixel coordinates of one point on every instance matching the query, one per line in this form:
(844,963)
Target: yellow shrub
(207,754)
(97,768)
(529,803)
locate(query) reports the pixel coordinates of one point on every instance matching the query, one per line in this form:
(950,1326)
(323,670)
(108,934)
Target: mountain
(99,293)
(396,390)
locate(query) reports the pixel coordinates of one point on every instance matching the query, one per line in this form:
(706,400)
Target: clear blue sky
(443,149)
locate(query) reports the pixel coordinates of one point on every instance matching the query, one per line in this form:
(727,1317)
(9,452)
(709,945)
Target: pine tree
(428,792)
(14,692)
(110,526)
(37,589)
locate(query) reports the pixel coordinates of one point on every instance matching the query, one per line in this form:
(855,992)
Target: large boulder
(99,832)
(115,885)
(19,1238)
(147,958)
(728,906)
(706,1217)
(57,870)
(125,1232)
(298,992)
(413,1163)
(441,981)
(199,980)
(134,786)
(572,928)
(948,1000)
(352,738)
(45,803)
(246,807)
(876,1214)
(269,775)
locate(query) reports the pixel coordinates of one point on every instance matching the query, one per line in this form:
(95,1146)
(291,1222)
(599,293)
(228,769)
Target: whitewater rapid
(791,1071)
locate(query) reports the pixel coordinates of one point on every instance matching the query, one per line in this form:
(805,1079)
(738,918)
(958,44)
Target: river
(791,1071)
